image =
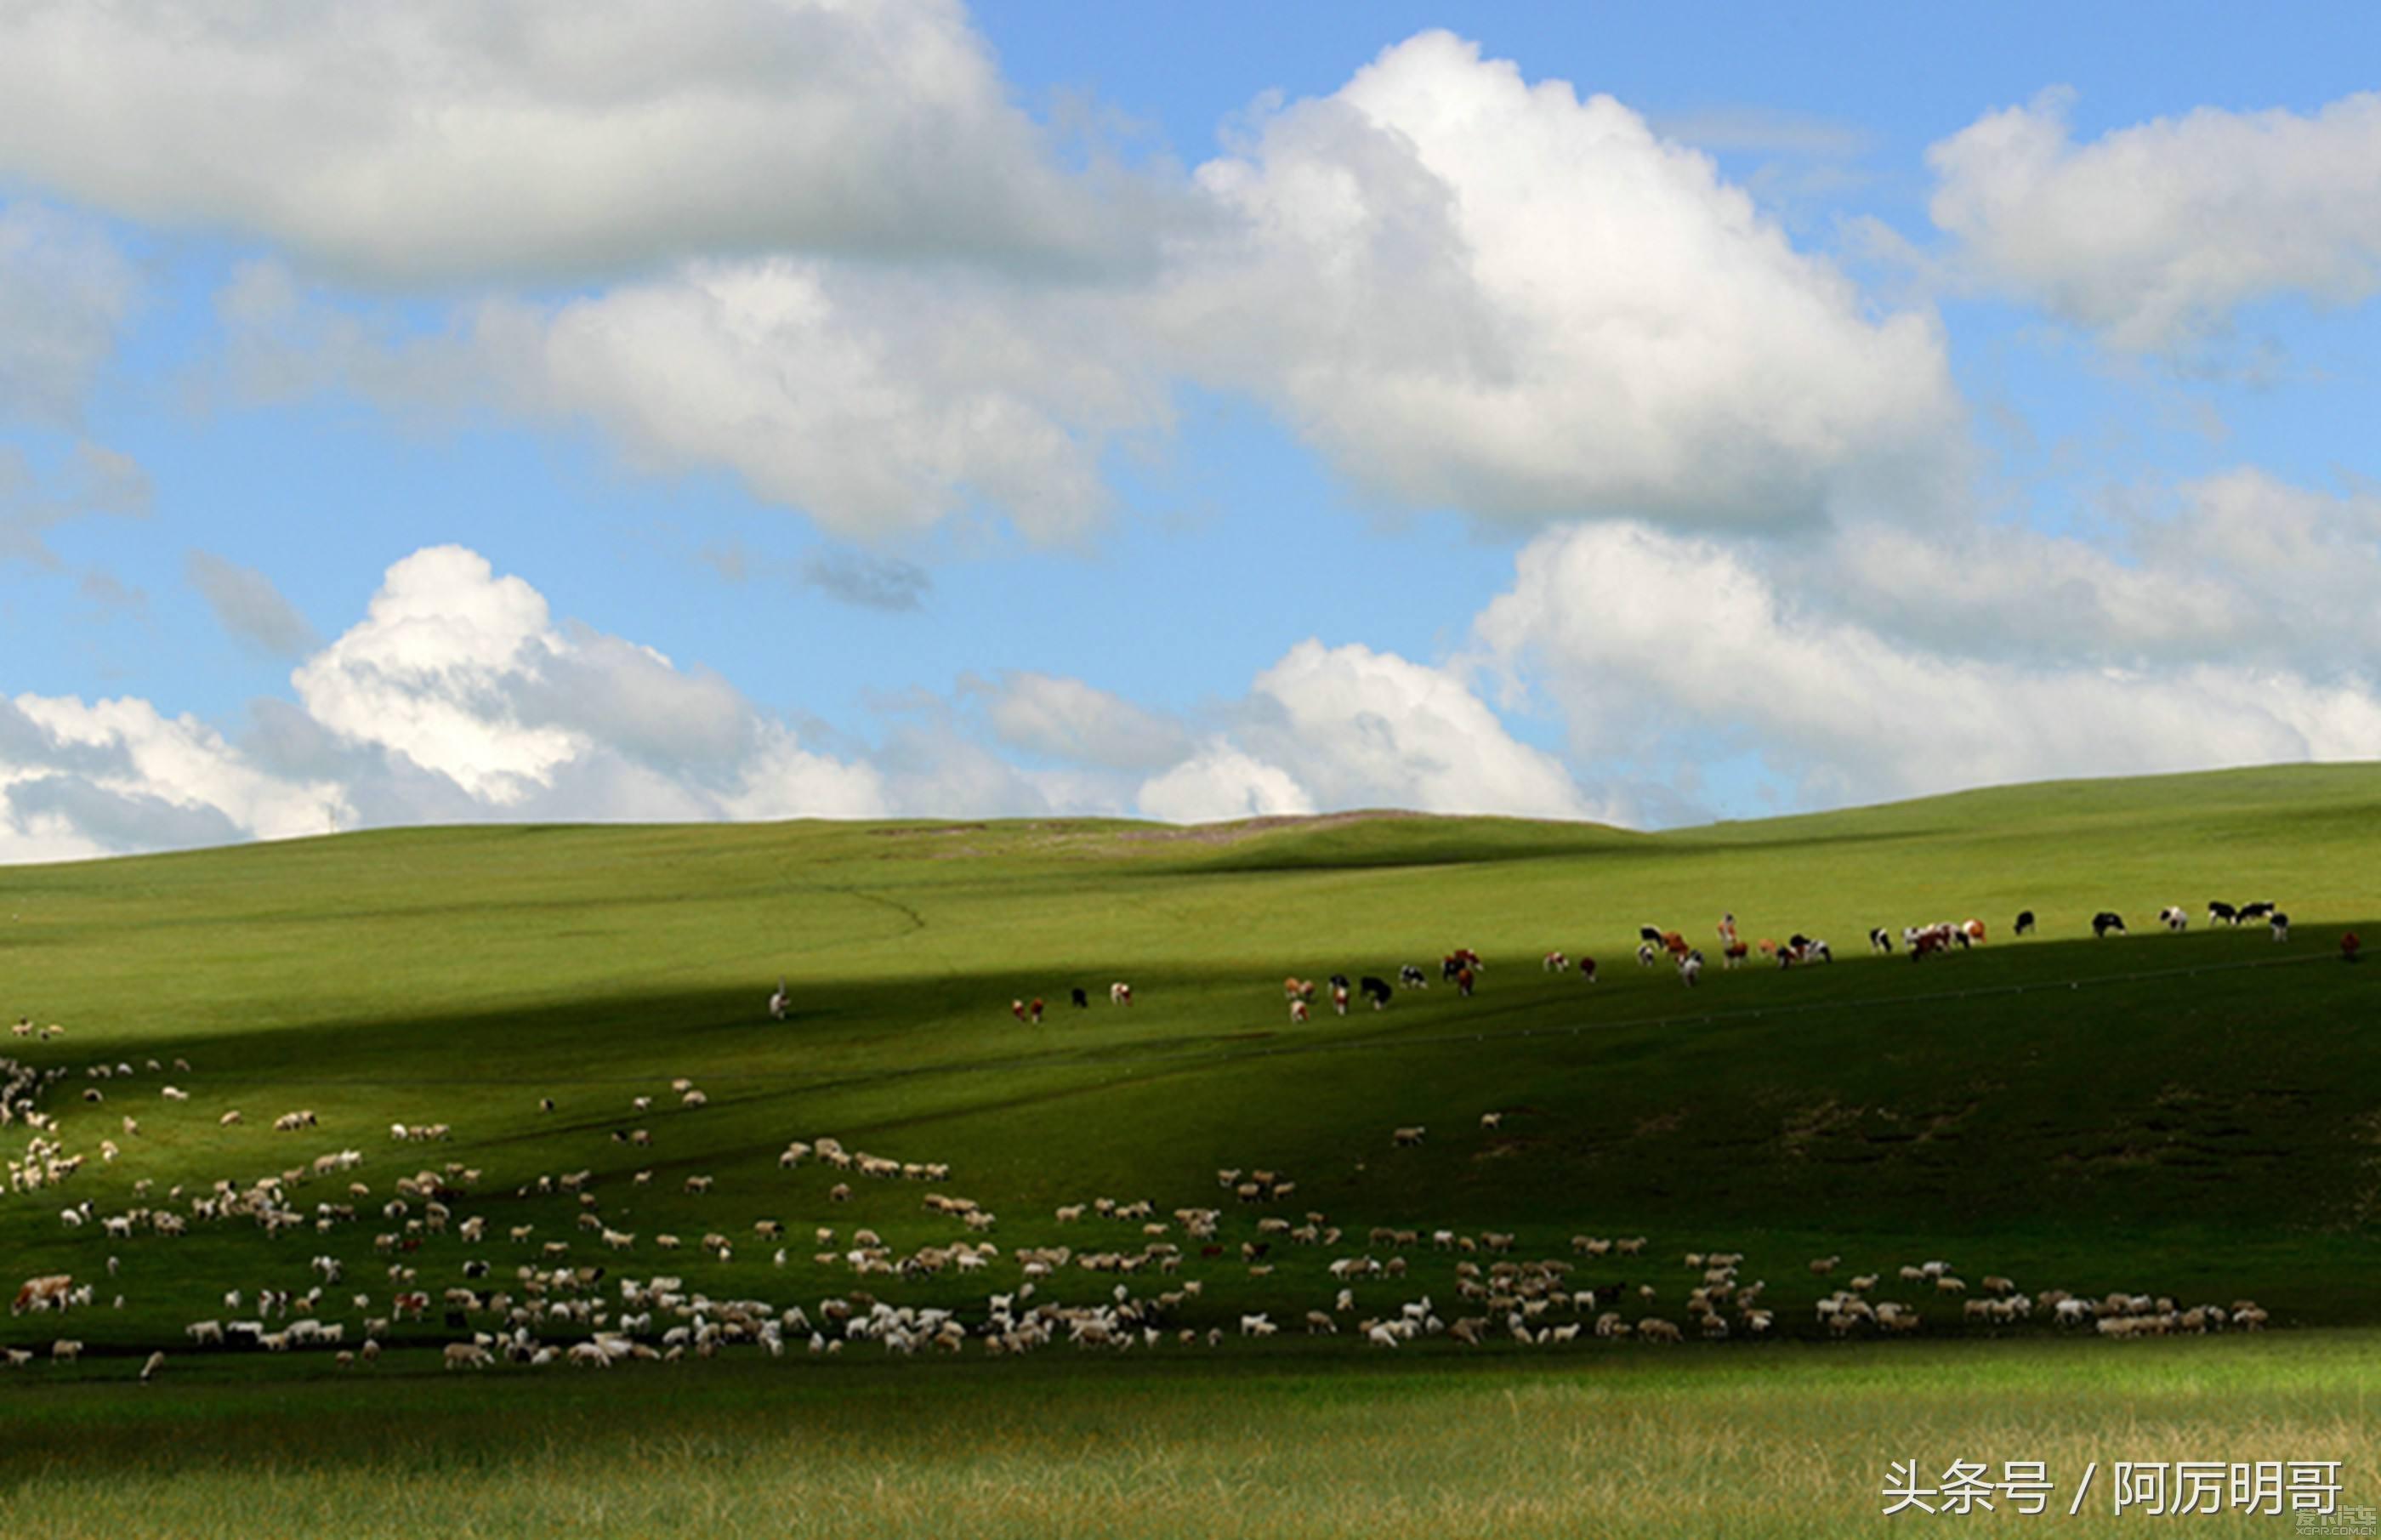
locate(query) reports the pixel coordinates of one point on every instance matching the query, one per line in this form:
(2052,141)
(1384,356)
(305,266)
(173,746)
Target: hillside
(2196,1114)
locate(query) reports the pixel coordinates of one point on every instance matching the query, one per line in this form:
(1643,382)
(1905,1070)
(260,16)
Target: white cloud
(2153,234)
(1333,728)
(452,139)
(2236,569)
(1654,644)
(877,403)
(66,293)
(428,675)
(1365,728)
(1221,783)
(1473,291)
(1462,288)
(80,779)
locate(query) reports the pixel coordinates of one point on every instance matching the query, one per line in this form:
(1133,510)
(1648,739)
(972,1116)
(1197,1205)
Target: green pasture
(2195,1115)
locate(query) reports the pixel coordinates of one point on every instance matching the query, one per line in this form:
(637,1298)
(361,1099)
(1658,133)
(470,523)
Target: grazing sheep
(1492,1120)
(149,1369)
(1406,1136)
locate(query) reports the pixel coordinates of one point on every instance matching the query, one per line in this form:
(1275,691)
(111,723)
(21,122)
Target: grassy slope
(2192,1113)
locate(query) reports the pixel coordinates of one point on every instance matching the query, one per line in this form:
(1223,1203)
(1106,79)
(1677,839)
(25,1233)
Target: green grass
(1782,1440)
(2194,1115)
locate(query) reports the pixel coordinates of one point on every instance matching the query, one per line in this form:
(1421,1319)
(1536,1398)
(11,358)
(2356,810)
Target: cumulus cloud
(449,139)
(456,697)
(2236,568)
(2152,235)
(1221,783)
(877,402)
(1464,288)
(464,674)
(80,779)
(1363,729)
(247,604)
(1653,642)
(1323,728)
(1468,289)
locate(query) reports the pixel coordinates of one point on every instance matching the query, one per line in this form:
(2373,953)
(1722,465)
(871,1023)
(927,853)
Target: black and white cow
(2024,925)
(1413,977)
(1880,940)
(2173,918)
(2282,925)
(1376,991)
(2220,912)
(2107,921)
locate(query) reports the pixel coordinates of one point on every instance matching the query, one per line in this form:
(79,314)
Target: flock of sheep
(517,1292)
(1129,1275)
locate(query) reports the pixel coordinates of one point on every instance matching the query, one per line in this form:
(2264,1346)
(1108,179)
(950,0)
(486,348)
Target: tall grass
(1784,1442)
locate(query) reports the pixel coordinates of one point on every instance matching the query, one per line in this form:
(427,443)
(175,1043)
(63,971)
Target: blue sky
(754,410)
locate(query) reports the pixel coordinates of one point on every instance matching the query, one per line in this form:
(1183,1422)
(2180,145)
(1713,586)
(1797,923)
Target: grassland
(2194,1115)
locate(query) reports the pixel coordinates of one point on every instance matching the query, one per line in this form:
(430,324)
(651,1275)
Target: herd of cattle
(1463,966)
